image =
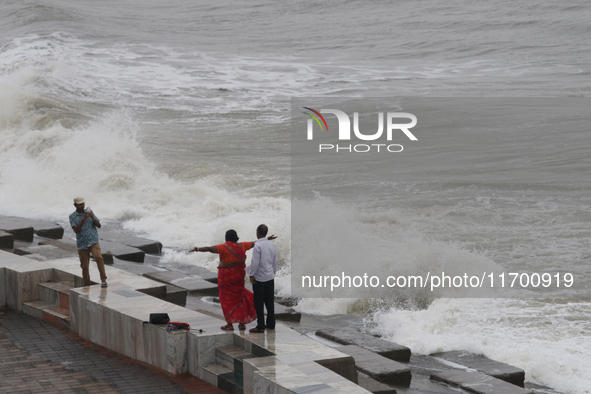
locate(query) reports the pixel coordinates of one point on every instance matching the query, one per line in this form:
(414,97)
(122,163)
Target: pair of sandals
(230,327)
(242,327)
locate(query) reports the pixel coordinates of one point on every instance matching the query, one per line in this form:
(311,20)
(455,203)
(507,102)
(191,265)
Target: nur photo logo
(344,130)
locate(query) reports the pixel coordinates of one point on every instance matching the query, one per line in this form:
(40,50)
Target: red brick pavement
(36,357)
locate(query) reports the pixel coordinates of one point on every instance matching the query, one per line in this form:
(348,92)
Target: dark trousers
(264,296)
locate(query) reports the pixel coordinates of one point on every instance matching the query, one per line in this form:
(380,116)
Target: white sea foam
(551,341)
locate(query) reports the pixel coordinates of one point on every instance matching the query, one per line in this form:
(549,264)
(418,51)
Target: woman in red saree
(237,302)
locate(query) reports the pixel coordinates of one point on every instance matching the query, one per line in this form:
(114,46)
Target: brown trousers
(84,255)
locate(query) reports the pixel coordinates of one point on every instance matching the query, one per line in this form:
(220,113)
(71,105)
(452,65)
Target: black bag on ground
(159,318)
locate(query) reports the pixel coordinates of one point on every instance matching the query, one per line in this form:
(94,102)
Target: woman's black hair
(231,236)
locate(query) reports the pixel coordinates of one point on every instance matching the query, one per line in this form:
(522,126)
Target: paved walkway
(37,357)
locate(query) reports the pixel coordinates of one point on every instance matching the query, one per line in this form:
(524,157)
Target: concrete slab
(349,336)
(193,284)
(42,228)
(47,251)
(378,367)
(201,272)
(478,383)
(496,369)
(21,230)
(65,244)
(144,244)
(35,256)
(6,240)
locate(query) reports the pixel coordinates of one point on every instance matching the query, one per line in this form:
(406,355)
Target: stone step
(211,372)
(496,369)
(55,293)
(349,336)
(35,308)
(231,382)
(380,368)
(47,312)
(478,382)
(231,357)
(6,240)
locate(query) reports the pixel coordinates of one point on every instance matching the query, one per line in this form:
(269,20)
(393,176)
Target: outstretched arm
(270,238)
(210,249)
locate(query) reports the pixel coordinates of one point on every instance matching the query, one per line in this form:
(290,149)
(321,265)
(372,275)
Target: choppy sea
(173,119)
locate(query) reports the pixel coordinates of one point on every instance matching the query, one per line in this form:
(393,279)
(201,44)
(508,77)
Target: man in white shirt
(262,274)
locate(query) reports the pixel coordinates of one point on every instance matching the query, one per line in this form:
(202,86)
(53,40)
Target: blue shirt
(88,236)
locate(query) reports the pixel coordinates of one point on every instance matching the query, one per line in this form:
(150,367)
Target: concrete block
(176,295)
(349,336)
(373,385)
(17,227)
(114,318)
(17,273)
(192,284)
(144,244)
(478,383)
(47,229)
(378,367)
(168,349)
(6,240)
(122,252)
(496,369)
(42,228)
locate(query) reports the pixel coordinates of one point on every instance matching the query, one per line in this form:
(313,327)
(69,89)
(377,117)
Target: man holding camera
(85,225)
